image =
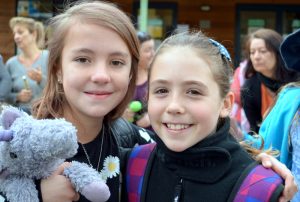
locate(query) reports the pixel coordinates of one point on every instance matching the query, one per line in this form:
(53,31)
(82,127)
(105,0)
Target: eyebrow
(82,50)
(89,51)
(197,83)
(158,81)
(189,82)
(119,53)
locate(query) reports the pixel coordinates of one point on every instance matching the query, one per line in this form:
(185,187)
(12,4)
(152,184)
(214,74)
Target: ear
(9,115)
(59,76)
(227,105)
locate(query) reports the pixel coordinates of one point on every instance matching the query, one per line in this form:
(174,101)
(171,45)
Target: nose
(256,54)
(175,105)
(100,74)
(16,36)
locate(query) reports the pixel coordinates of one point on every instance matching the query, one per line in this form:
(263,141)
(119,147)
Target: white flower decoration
(111,167)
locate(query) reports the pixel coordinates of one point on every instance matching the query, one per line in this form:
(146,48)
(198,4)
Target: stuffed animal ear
(9,115)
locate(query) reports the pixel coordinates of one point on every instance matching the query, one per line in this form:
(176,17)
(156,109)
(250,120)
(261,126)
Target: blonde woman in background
(28,69)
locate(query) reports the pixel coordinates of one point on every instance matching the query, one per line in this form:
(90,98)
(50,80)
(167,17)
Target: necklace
(100,152)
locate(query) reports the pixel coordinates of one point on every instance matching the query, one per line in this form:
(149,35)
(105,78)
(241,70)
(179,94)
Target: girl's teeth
(177,126)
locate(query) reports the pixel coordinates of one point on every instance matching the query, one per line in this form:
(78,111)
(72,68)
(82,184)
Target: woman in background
(265,74)
(28,69)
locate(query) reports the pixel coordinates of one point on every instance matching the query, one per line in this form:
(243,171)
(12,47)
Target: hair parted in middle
(211,50)
(89,12)
(272,40)
(33,26)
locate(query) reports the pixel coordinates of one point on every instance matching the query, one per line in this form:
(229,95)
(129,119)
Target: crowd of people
(96,63)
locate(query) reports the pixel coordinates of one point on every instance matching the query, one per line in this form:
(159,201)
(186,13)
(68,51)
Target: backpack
(256,184)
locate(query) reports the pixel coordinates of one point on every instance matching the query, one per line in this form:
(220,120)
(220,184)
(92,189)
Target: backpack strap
(136,167)
(259,185)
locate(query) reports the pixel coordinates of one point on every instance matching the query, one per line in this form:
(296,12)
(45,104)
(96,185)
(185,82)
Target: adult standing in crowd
(5,83)
(140,117)
(28,69)
(265,74)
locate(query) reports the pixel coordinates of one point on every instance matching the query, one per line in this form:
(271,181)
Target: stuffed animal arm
(32,149)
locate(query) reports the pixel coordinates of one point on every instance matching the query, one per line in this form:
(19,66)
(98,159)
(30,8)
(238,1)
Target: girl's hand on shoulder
(58,188)
(290,187)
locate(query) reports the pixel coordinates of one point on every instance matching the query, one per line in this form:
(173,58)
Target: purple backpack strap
(260,185)
(136,167)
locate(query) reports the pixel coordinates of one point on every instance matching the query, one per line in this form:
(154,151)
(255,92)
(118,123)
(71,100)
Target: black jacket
(207,172)
(251,97)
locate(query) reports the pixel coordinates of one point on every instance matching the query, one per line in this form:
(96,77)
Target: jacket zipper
(178,189)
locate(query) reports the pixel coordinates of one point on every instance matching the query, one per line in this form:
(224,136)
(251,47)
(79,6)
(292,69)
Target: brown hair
(98,13)
(272,40)
(221,66)
(32,26)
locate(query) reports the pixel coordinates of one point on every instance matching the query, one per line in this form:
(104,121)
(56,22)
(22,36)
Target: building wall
(7,10)
(221,17)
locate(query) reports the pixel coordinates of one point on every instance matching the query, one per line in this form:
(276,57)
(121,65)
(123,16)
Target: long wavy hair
(98,13)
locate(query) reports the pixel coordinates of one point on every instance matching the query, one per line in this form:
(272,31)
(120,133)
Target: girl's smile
(94,70)
(183,106)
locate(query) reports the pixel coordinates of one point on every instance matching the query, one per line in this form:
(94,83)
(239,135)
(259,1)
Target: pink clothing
(238,113)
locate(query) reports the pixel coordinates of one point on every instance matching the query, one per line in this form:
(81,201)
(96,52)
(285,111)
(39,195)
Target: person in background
(265,74)
(140,117)
(28,70)
(189,103)
(281,127)
(238,117)
(5,83)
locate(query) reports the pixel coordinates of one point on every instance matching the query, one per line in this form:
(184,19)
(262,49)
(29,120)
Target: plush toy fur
(32,149)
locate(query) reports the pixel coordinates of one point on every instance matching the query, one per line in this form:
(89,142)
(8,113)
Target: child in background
(195,158)
(140,117)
